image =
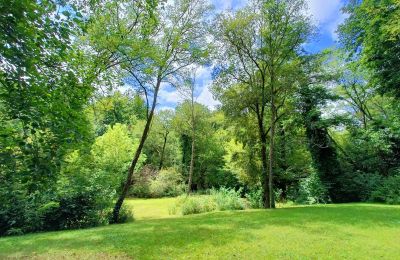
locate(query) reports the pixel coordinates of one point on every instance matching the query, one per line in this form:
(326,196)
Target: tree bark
(264,160)
(271,154)
(135,159)
(189,189)
(163,151)
(193,143)
(265,176)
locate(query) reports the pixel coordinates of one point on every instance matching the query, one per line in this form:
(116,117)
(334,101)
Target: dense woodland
(81,128)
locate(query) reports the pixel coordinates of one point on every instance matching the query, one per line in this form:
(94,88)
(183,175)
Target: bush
(312,191)
(125,215)
(50,215)
(389,191)
(222,199)
(365,184)
(168,183)
(196,204)
(227,199)
(255,198)
(141,188)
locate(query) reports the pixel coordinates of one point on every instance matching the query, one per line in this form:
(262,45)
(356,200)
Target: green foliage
(255,198)
(370,34)
(167,183)
(221,199)
(312,191)
(125,215)
(196,204)
(112,153)
(43,92)
(227,199)
(389,191)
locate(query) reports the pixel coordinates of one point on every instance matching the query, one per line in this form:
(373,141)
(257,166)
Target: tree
(313,95)
(208,161)
(188,92)
(162,146)
(43,93)
(370,35)
(151,48)
(260,46)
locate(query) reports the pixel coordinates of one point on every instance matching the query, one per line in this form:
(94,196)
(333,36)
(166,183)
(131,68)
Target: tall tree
(259,47)
(371,34)
(152,53)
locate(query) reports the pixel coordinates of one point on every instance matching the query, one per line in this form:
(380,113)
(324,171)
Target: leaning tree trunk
(128,181)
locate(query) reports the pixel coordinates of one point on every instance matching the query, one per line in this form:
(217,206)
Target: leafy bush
(141,188)
(196,204)
(389,191)
(125,215)
(222,199)
(312,191)
(168,183)
(365,184)
(227,199)
(255,198)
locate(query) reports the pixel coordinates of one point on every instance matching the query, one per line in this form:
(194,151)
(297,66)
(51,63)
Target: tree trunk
(191,166)
(266,193)
(163,151)
(271,153)
(135,159)
(264,160)
(193,143)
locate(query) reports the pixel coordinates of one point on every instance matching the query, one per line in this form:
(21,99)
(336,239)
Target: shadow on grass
(155,238)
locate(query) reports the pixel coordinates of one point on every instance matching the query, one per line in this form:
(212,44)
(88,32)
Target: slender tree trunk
(189,189)
(163,151)
(128,181)
(193,144)
(271,153)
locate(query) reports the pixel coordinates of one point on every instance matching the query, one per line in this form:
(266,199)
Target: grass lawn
(350,231)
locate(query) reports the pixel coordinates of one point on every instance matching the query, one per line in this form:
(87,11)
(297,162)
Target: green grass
(348,231)
(151,208)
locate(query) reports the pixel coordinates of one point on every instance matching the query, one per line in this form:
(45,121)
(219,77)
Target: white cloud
(206,98)
(327,15)
(170,97)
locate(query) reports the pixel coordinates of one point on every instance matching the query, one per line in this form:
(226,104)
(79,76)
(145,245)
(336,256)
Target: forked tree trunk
(131,170)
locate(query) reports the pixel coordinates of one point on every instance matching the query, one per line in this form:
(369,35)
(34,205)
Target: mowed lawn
(348,231)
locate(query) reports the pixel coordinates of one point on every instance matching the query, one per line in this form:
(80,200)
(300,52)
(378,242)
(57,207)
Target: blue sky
(326,16)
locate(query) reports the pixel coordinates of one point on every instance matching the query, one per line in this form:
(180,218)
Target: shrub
(125,215)
(255,198)
(389,191)
(141,189)
(227,199)
(194,205)
(222,199)
(312,191)
(168,183)
(50,215)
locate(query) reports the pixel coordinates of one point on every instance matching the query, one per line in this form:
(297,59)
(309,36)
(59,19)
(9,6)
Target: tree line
(79,90)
